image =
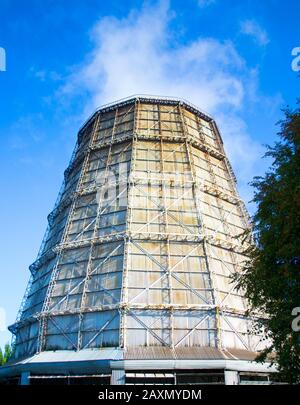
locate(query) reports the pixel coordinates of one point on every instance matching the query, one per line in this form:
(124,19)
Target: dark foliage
(272,277)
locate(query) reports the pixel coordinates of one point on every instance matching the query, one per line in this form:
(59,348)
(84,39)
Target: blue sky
(64,58)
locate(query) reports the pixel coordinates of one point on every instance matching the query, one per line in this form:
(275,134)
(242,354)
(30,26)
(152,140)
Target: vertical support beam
(196,193)
(97,220)
(127,244)
(117,377)
(24,379)
(195,185)
(44,316)
(165,193)
(89,264)
(222,216)
(231,377)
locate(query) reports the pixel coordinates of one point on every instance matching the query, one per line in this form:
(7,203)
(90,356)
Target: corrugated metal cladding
(186,353)
(142,242)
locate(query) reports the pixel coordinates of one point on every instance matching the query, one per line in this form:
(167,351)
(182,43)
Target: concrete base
(231,377)
(112,362)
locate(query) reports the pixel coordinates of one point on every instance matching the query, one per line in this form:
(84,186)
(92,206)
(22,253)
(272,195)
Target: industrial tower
(133,283)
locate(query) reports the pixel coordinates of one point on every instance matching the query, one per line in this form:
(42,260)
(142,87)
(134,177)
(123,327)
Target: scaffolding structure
(142,242)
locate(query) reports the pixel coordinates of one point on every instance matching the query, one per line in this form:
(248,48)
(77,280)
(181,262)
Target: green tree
(272,277)
(6,354)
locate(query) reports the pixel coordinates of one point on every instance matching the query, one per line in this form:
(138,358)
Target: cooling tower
(133,281)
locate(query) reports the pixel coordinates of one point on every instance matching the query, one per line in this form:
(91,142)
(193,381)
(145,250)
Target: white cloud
(138,55)
(253,29)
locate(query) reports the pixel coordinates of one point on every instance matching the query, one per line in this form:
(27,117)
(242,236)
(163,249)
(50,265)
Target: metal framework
(142,240)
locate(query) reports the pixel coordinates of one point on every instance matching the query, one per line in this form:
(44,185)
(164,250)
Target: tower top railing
(145,97)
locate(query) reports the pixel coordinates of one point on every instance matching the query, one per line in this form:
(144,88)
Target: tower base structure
(148,365)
